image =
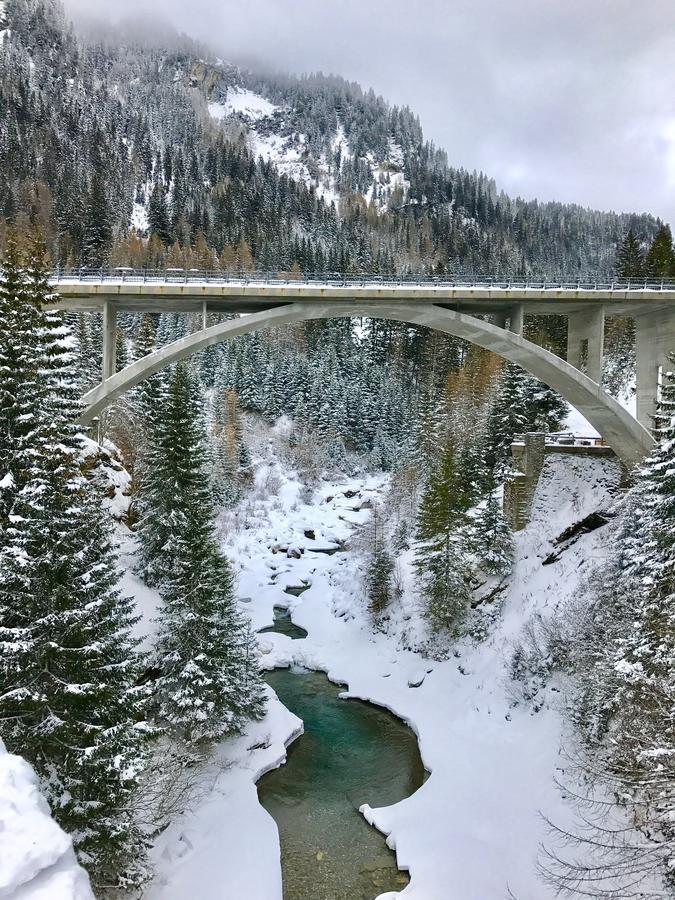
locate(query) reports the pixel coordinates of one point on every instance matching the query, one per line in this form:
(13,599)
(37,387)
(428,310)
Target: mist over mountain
(136,131)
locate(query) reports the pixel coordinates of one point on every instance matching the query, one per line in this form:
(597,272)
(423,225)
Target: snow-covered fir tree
(521,403)
(68,661)
(442,550)
(20,361)
(210,683)
(491,536)
(630,259)
(620,649)
(228,454)
(379,567)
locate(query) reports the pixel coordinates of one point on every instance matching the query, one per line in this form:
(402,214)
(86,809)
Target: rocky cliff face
(205,77)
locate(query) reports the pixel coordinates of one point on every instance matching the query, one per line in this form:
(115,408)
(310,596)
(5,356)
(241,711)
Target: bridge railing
(570,438)
(218,276)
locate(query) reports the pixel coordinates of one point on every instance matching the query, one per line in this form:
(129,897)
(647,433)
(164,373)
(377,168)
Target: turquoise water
(284,625)
(351,753)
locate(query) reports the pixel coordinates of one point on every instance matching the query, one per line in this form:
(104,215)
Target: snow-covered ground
(37,860)
(240,101)
(139,217)
(471,832)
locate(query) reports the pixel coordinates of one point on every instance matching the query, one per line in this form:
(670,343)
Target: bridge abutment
(528,455)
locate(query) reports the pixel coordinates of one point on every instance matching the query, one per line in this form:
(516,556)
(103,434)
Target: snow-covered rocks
(37,860)
(104,460)
(416,679)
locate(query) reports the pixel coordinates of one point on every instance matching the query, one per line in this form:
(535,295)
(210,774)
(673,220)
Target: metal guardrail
(213,276)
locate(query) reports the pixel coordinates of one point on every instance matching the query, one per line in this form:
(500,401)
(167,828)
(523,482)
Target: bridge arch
(624,434)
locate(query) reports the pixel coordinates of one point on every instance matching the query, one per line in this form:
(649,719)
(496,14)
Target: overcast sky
(557,99)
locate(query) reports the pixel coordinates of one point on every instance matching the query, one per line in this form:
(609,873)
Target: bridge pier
(654,341)
(528,456)
(109,339)
(514,316)
(586,341)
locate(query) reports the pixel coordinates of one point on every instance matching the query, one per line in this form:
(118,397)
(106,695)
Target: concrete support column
(586,341)
(109,339)
(654,341)
(205,315)
(516,318)
(527,461)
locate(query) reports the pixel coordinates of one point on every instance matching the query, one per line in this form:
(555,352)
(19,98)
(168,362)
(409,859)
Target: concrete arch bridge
(485,312)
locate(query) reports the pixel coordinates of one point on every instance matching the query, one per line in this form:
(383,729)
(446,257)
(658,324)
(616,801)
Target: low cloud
(572,101)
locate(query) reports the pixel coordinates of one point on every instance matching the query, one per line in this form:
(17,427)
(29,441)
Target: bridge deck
(188,292)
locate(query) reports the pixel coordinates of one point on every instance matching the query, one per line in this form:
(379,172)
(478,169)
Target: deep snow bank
(37,860)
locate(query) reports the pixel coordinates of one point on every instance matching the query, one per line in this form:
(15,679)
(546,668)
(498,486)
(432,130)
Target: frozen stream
(351,753)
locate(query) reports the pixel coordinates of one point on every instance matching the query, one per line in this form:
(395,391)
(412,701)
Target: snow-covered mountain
(111,136)
(270,137)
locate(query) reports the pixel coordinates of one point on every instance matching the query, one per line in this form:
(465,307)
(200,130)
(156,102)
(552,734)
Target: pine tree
(68,663)
(97,227)
(20,321)
(441,557)
(660,261)
(158,472)
(492,540)
(522,403)
(121,352)
(506,418)
(542,407)
(145,339)
(88,363)
(210,684)
(228,454)
(158,215)
(630,261)
(622,654)
(379,568)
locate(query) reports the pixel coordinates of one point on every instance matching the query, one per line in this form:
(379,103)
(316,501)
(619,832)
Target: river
(350,753)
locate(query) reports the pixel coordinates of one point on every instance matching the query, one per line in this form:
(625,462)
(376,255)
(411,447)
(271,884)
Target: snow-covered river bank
(470,832)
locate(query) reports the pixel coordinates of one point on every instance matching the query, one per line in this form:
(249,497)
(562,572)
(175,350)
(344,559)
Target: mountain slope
(221,166)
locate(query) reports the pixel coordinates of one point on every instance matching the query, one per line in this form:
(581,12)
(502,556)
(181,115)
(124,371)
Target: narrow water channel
(351,753)
(283,624)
